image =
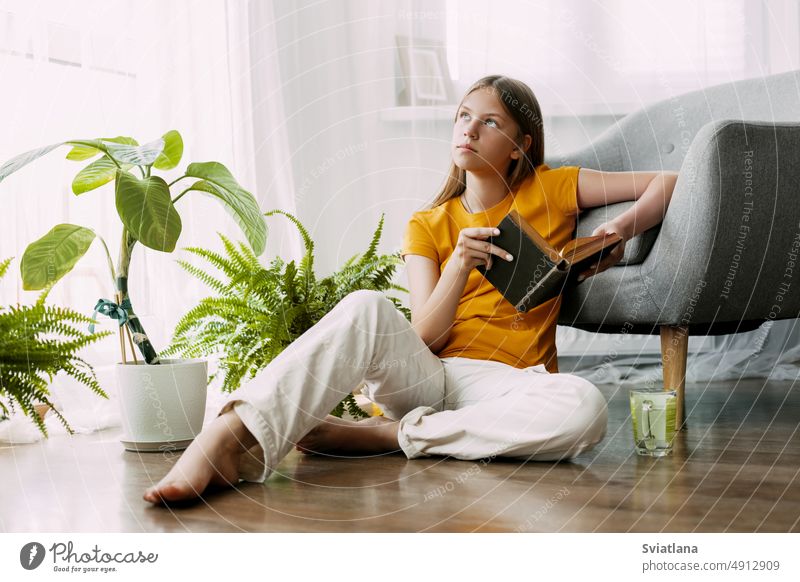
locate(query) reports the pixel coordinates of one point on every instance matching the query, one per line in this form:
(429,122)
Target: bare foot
(212,460)
(376,434)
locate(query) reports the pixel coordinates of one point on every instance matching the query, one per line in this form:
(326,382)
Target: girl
(469,377)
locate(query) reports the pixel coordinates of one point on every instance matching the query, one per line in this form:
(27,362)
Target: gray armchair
(726,258)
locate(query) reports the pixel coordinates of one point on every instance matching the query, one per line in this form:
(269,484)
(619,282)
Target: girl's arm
(434,298)
(652,192)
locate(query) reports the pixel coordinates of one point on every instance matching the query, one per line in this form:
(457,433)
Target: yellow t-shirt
(486,325)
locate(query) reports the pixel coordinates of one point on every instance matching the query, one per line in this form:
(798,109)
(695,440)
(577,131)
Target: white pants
(465,408)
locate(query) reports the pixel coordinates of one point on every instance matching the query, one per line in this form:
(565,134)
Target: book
(538,272)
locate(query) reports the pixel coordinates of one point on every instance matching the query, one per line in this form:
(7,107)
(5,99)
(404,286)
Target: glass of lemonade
(653,417)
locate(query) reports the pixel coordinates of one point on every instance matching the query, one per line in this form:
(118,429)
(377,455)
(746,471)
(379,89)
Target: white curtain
(264,117)
(301,99)
(586,57)
(89,68)
(98,69)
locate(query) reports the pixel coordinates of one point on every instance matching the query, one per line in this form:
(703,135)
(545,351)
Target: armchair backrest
(658,136)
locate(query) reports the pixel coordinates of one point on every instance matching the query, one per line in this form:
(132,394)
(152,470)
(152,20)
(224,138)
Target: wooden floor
(735,469)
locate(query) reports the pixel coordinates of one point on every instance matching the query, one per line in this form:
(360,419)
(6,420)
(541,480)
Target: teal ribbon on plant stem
(112,310)
(124,314)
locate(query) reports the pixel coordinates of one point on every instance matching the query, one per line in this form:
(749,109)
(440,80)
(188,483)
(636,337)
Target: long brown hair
(520,103)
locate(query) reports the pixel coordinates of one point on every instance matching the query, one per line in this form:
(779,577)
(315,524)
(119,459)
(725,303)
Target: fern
(307,263)
(373,245)
(37,341)
(260,310)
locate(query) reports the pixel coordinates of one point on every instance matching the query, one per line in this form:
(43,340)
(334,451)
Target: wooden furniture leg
(674,347)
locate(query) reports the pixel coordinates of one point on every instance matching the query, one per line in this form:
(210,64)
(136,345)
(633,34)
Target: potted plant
(258,311)
(37,342)
(162,401)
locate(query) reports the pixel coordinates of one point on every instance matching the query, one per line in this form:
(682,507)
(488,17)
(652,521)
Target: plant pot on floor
(162,406)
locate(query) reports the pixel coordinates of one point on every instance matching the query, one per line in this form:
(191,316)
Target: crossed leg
(213,458)
(372,435)
(364,338)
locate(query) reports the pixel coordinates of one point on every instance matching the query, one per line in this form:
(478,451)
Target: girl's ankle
(237,437)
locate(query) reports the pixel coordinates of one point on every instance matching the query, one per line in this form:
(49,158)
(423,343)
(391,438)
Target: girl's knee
(364,297)
(592,396)
(591,416)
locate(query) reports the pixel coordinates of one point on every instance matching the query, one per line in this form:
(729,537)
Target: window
(585,57)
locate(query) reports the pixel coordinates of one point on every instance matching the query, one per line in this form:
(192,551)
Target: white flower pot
(162,406)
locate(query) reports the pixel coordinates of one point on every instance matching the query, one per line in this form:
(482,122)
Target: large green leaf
(21,160)
(51,257)
(146,210)
(82,152)
(99,172)
(217,181)
(173,151)
(143,155)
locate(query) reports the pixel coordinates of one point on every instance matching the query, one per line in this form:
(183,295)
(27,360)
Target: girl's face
(484,135)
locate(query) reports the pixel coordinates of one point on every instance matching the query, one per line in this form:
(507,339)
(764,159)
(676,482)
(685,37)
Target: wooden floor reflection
(736,468)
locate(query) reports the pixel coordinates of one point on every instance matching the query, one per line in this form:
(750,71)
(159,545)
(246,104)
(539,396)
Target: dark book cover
(538,272)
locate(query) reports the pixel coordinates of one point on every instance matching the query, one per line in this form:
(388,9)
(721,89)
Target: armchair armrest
(728,246)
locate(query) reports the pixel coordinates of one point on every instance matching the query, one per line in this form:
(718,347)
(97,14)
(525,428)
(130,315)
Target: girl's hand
(612,258)
(472,249)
